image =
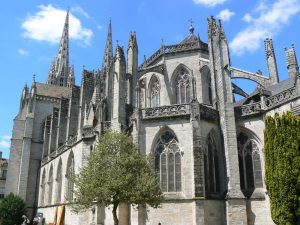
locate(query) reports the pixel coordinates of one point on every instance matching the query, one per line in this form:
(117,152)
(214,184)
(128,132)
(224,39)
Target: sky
(30,33)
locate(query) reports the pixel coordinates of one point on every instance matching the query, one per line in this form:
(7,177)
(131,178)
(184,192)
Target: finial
(33,78)
(191,29)
(162,42)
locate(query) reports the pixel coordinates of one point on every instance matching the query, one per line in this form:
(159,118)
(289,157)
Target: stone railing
(268,103)
(70,142)
(166,111)
(170,49)
(280,98)
(105,126)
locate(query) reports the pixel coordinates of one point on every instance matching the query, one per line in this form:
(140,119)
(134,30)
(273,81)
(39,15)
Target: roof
(53,90)
(189,39)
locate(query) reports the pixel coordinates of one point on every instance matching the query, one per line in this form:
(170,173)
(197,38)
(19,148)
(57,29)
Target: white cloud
(80,11)
(22,51)
(4,144)
(268,23)
(225,15)
(247,18)
(209,3)
(99,27)
(47,25)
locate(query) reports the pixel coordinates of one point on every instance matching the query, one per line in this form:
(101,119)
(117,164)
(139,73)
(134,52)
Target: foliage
(115,172)
(282,163)
(12,208)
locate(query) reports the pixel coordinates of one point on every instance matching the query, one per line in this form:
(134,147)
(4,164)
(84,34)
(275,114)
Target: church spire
(61,63)
(108,54)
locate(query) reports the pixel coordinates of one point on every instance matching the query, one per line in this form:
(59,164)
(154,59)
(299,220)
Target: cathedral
(179,106)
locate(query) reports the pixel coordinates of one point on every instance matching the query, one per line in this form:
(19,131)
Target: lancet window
(69,174)
(50,185)
(154,92)
(212,166)
(58,182)
(183,87)
(168,162)
(249,164)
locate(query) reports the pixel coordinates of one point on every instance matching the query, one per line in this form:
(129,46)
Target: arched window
(69,174)
(154,88)
(42,187)
(212,166)
(182,86)
(249,164)
(50,185)
(58,182)
(168,162)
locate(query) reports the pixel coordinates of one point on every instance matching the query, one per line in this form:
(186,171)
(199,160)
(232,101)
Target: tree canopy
(12,208)
(282,167)
(115,172)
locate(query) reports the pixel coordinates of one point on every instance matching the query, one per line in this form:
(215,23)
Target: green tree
(115,172)
(12,208)
(282,167)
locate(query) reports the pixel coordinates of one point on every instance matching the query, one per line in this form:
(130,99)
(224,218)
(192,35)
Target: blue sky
(31,31)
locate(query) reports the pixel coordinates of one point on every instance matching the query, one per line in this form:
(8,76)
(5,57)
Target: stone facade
(179,106)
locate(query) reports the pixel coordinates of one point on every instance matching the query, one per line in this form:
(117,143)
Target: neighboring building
(3,175)
(179,106)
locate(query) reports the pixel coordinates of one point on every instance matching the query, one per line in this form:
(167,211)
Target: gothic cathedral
(179,106)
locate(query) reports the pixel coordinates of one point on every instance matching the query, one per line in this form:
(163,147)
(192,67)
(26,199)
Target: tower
(132,68)
(60,74)
(219,59)
(271,62)
(291,62)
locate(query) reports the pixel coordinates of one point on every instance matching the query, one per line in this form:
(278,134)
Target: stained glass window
(168,162)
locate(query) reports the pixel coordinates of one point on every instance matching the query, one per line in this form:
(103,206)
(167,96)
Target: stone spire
(108,54)
(291,61)
(271,62)
(61,63)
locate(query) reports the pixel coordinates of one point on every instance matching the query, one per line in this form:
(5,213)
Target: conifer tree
(282,167)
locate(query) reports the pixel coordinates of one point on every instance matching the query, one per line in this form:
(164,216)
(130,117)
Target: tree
(115,172)
(282,163)
(12,208)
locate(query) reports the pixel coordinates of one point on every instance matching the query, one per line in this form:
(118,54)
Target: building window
(50,186)
(70,173)
(209,89)
(212,166)
(58,182)
(168,162)
(182,87)
(2,192)
(154,92)
(249,164)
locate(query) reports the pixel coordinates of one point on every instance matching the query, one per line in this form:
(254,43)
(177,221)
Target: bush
(12,207)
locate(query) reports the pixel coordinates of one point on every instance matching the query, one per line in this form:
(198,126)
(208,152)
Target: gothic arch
(213,165)
(58,180)
(70,172)
(250,161)
(50,185)
(167,160)
(154,89)
(182,83)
